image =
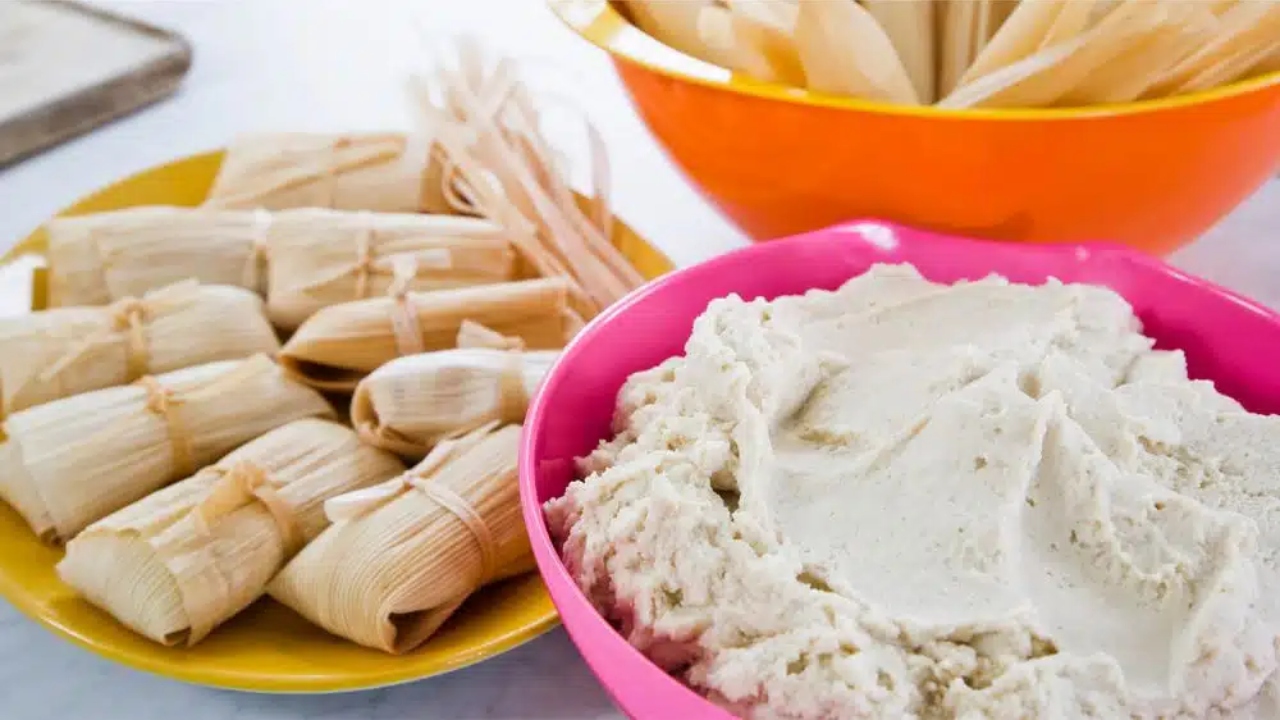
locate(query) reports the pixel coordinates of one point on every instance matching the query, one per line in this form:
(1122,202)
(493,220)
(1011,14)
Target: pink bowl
(1226,338)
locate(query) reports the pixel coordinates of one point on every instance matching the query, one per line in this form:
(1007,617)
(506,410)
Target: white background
(339,65)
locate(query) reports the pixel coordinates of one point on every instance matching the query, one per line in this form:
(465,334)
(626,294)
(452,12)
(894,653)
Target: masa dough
(908,500)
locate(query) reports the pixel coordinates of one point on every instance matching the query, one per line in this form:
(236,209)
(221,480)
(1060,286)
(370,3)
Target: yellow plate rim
(156,660)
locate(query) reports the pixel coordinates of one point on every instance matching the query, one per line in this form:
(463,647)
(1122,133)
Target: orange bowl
(779,161)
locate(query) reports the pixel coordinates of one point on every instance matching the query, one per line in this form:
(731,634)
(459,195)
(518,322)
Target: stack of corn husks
(977,53)
(157,426)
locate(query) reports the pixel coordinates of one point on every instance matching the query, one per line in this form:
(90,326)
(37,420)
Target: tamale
(183,560)
(325,257)
(411,403)
(52,354)
(341,344)
(379,172)
(403,556)
(70,462)
(95,259)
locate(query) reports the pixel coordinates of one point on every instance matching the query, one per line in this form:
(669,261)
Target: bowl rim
(576,611)
(600,23)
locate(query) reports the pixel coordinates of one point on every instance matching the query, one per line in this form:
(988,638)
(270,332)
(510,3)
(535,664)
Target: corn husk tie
(176,564)
(341,344)
(403,556)
(414,402)
(379,172)
(73,461)
(56,353)
(99,258)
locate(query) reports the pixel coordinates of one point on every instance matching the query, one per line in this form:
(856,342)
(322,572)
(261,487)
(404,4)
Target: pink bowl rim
(552,568)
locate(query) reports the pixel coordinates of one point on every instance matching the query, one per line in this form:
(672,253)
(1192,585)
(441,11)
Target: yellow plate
(266,648)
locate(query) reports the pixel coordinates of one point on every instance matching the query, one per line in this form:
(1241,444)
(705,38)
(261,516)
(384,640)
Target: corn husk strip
(1049,75)
(676,24)
(99,258)
(910,25)
(410,404)
(507,171)
(341,344)
(1072,20)
(381,172)
(1247,34)
(1021,35)
(960,39)
(756,37)
(185,559)
(56,353)
(845,52)
(325,257)
(1127,77)
(474,335)
(403,557)
(76,460)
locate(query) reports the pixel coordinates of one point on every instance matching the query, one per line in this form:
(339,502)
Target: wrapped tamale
(183,560)
(341,344)
(403,556)
(379,172)
(55,353)
(70,462)
(411,403)
(95,259)
(325,257)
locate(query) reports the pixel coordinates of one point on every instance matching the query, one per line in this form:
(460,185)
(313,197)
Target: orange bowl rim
(597,33)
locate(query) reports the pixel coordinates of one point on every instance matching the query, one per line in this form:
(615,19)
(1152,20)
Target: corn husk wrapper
(1024,32)
(378,172)
(73,461)
(845,52)
(1047,76)
(324,257)
(342,344)
(56,353)
(501,166)
(910,26)
(756,37)
(676,24)
(96,259)
(183,560)
(410,404)
(1249,33)
(402,557)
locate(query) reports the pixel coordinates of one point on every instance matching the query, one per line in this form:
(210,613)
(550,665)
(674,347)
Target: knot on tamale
(404,314)
(163,402)
(241,485)
(127,316)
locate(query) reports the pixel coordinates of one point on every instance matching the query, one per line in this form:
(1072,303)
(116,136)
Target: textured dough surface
(908,500)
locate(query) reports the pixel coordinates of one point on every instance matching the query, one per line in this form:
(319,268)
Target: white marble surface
(337,64)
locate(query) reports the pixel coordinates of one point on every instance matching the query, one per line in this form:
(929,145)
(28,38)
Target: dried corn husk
(183,560)
(341,344)
(676,24)
(73,461)
(502,167)
(402,557)
(95,259)
(1021,35)
(757,37)
(379,172)
(1248,33)
(1047,76)
(845,52)
(325,257)
(56,353)
(411,403)
(910,25)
